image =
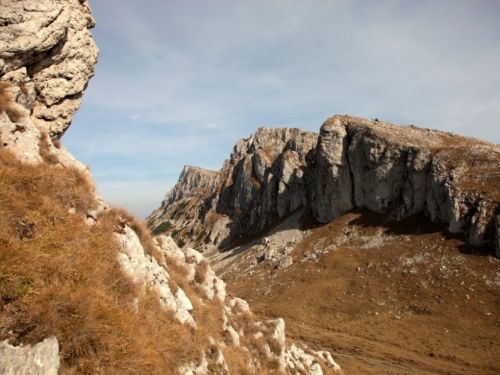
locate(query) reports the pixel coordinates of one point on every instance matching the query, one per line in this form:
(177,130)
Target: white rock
(39,359)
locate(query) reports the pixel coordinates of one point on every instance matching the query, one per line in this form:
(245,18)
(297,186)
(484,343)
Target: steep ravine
(84,288)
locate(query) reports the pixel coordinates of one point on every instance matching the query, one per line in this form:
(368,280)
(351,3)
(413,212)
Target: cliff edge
(389,169)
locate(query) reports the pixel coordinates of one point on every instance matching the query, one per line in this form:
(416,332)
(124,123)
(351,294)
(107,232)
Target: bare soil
(384,297)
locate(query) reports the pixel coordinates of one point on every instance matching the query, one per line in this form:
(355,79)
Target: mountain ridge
(353,163)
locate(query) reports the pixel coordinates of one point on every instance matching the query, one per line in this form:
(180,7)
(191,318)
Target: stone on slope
(39,359)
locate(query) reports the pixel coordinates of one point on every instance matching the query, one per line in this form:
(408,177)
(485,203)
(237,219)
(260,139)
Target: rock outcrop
(262,182)
(264,341)
(39,359)
(47,56)
(403,171)
(353,163)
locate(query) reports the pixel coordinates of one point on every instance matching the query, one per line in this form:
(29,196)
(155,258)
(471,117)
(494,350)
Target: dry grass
(63,279)
(60,276)
(201,272)
(366,303)
(7,105)
(238,360)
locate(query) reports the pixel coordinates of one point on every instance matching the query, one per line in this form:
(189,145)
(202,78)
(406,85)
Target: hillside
(354,163)
(84,287)
(375,241)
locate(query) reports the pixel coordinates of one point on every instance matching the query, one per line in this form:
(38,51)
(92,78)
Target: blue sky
(178,82)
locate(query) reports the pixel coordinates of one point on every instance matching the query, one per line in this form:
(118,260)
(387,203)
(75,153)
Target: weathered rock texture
(353,163)
(47,56)
(39,359)
(263,341)
(402,171)
(262,182)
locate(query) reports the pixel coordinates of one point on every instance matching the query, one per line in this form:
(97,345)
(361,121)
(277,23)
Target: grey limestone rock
(39,359)
(402,171)
(393,170)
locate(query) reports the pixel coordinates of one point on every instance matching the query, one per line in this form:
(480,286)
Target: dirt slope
(388,298)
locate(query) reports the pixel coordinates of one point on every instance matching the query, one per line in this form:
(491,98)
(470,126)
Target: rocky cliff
(47,56)
(84,288)
(262,182)
(395,170)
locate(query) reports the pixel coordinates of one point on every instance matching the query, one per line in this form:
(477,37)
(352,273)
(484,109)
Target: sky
(179,82)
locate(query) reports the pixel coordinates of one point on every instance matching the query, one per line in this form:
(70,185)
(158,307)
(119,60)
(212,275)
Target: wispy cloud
(180,82)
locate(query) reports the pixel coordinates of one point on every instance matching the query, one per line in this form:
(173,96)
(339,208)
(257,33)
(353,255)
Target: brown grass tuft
(201,272)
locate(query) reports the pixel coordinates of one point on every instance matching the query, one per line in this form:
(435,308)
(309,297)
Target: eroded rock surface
(353,163)
(403,171)
(39,359)
(262,182)
(264,341)
(47,56)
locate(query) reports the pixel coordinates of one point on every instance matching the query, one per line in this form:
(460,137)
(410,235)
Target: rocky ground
(373,240)
(387,297)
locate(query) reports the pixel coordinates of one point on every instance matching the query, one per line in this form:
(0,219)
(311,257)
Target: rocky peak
(192,182)
(353,163)
(262,181)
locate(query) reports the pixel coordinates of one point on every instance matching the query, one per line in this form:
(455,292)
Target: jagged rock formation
(262,182)
(47,56)
(353,163)
(264,342)
(185,201)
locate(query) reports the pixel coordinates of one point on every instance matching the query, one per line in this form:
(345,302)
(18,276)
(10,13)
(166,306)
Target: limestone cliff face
(353,163)
(402,171)
(263,181)
(47,56)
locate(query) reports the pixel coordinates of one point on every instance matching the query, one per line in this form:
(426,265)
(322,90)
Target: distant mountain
(353,163)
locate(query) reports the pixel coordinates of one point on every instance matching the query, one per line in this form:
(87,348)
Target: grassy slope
(59,276)
(419,301)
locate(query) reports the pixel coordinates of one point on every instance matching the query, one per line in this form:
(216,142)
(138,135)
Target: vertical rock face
(353,163)
(263,181)
(47,56)
(402,171)
(332,177)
